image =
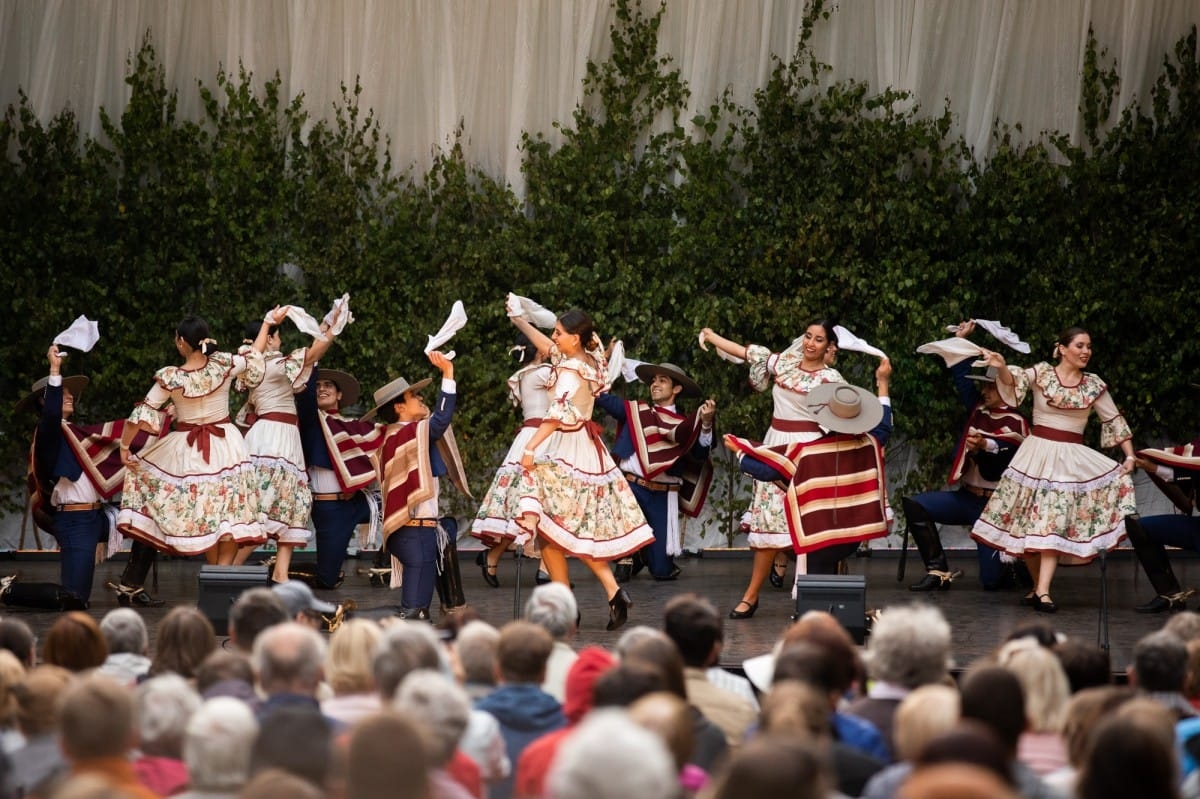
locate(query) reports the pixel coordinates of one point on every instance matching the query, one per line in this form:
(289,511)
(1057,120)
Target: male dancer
(665,457)
(337,450)
(989,440)
(72,470)
(419,449)
(1175,471)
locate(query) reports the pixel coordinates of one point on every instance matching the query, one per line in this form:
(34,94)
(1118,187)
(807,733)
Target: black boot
(1153,557)
(131,590)
(925,534)
(448,582)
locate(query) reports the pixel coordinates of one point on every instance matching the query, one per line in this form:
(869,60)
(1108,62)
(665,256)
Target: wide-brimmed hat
(75,384)
(346,383)
(647,371)
(390,393)
(844,408)
(988,376)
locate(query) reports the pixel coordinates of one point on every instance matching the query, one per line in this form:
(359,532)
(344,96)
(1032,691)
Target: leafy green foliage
(815,200)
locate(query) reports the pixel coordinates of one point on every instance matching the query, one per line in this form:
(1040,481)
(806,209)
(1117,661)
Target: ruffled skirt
(1057,497)
(177,502)
(577,498)
(496,518)
(284,501)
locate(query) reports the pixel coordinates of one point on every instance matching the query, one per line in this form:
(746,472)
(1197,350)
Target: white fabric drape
(501,67)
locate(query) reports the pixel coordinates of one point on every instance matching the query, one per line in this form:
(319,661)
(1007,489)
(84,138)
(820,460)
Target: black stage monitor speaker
(220,586)
(844,596)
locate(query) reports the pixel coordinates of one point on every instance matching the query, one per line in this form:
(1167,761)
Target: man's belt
(1054,434)
(68,507)
(332,497)
(795,425)
(422,523)
(978,490)
(650,485)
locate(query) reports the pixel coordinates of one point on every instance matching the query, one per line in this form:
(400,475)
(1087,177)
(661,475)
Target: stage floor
(979,619)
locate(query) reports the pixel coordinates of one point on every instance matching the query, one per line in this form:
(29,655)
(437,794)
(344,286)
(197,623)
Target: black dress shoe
(1042,603)
(673,575)
(489,571)
(1161,604)
(618,609)
(413,614)
(930,582)
(743,614)
(135,597)
(1029,600)
(542,578)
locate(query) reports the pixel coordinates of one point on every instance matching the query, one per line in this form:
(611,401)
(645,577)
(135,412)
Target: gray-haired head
(553,607)
(164,705)
(217,743)
(441,705)
(125,631)
(909,646)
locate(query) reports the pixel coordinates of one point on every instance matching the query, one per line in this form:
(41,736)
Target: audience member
(441,710)
(404,647)
(475,649)
(524,710)
(909,647)
(1086,665)
(12,672)
(593,662)
(289,660)
(1185,624)
(669,717)
(128,643)
(36,764)
(553,608)
(74,642)
(295,738)
(252,612)
(184,639)
(276,783)
(955,781)
(1046,691)
(164,705)
(1083,713)
(387,759)
(697,630)
(351,671)
(611,757)
(1159,671)
(16,637)
(217,744)
(227,672)
(1132,755)
(927,712)
(778,766)
(97,733)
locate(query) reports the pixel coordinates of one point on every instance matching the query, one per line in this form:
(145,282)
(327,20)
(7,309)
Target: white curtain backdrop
(506,66)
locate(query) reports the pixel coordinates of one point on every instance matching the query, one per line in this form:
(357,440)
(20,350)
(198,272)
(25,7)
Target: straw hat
(392,392)
(346,383)
(647,371)
(844,408)
(75,384)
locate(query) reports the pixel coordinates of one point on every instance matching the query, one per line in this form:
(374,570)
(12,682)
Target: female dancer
(193,490)
(495,523)
(1059,496)
(284,499)
(572,494)
(796,371)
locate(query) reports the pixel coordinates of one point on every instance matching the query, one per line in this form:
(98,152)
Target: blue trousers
(417,549)
(654,508)
(335,521)
(962,508)
(1173,530)
(77,533)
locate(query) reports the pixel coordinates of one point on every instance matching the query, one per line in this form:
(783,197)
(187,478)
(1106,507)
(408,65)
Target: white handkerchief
(454,323)
(532,312)
(722,354)
(344,318)
(82,335)
(1001,333)
(849,341)
(305,323)
(951,350)
(622,364)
